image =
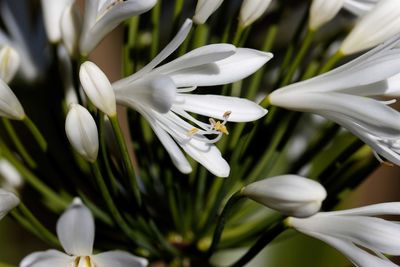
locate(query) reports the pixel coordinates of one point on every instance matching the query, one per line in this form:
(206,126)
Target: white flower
(379,25)
(71,28)
(100,18)
(75,230)
(161,95)
(289,194)
(8,201)
(10,178)
(342,96)
(350,231)
(98,88)
(204,9)
(82,133)
(52,11)
(10,107)
(360,7)
(9,63)
(252,10)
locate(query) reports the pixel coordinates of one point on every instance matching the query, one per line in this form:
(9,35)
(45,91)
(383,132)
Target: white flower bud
(52,11)
(379,25)
(322,11)
(10,178)
(98,88)
(289,194)
(82,133)
(8,201)
(9,63)
(252,10)
(204,10)
(10,107)
(70,29)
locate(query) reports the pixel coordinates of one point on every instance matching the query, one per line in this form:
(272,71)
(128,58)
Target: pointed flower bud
(252,10)
(204,9)
(9,63)
(10,107)
(70,28)
(82,133)
(323,11)
(10,178)
(8,201)
(52,11)
(289,194)
(379,25)
(98,88)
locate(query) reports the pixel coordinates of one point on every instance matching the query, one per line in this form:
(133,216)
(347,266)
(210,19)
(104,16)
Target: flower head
(52,12)
(10,107)
(9,63)
(162,95)
(350,231)
(289,194)
(75,230)
(204,9)
(342,96)
(252,10)
(8,201)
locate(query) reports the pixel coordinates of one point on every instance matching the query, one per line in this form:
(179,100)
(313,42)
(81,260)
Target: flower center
(84,261)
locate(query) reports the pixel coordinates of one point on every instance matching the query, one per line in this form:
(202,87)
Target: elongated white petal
(118,259)
(358,256)
(52,11)
(207,155)
(8,201)
(359,7)
(81,131)
(109,19)
(290,194)
(382,23)
(70,28)
(204,9)
(234,68)
(252,10)
(10,107)
(9,63)
(98,88)
(49,258)
(215,106)
(75,229)
(389,208)
(12,179)
(322,11)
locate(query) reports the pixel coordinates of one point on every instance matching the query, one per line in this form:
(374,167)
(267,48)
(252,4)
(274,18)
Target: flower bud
(204,10)
(291,195)
(322,11)
(52,11)
(9,63)
(98,88)
(10,107)
(252,10)
(82,133)
(8,201)
(10,178)
(70,29)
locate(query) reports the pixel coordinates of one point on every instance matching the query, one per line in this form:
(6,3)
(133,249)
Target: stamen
(381,161)
(192,132)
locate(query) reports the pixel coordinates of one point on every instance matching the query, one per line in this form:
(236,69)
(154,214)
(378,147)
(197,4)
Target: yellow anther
(227,114)
(192,132)
(218,126)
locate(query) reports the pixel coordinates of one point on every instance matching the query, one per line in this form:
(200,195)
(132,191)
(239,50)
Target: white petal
(49,258)
(322,11)
(389,208)
(10,107)
(204,9)
(98,88)
(242,110)
(81,131)
(110,19)
(8,201)
(118,259)
(359,7)
(75,229)
(70,28)
(52,11)
(207,155)
(252,10)
(382,23)
(9,63)
(10,175)
(234,68)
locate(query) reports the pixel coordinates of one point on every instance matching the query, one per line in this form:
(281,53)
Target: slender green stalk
(40,228)
(275,230)
(200,35)
(33,180)
(178,6)
(155,19)
(35,133)
(238,35)
(299,57)
(128,62)
(221,221)
(2,264)
(130,171)
(18,144)
(331,62)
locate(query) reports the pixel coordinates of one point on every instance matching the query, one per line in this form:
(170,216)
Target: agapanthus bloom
(52,12)
(9,63)
(252,10)
(8,201)
(162,95)
(204,9)
(352,231)
(76,230)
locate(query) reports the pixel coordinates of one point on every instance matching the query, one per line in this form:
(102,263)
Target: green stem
(35,133)
(221,221)
(238,35)
(178,5)
(126,158)
(261,243)
(155,19)
(299,57)
(331,62)
(2,264)
(18,144)
(33,180)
